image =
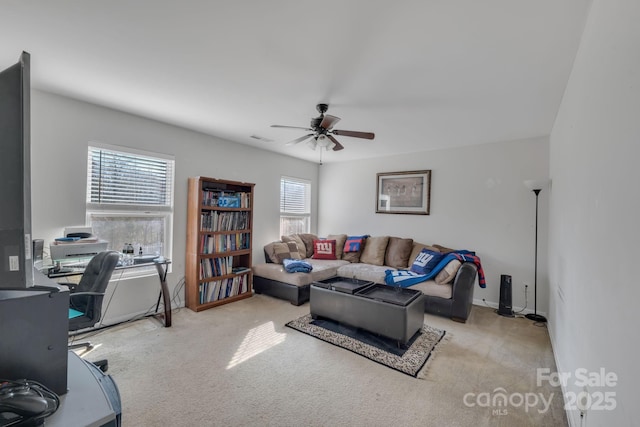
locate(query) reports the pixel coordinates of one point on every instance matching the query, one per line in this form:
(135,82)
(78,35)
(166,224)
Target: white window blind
(121,178)
(295,197)
(130,199)
(295,205)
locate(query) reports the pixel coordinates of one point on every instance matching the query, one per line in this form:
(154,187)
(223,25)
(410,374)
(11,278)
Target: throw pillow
(398,251)
(308,239)
(374,250)
(340,239)
(417,248)
(444,249)
(324,249)
(425,261)
(270,253)
(448,273)
(353,248)
(353,243)
(298,241)
(284,251)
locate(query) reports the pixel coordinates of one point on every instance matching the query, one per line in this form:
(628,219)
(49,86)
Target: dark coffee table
(396,313)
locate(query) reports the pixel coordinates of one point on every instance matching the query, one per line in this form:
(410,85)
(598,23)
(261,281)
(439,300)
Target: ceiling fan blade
(353,134)
(338,146)
(289,127)
(297,140)
(328,121)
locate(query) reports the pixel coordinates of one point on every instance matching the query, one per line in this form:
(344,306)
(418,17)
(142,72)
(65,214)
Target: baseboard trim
(516,310)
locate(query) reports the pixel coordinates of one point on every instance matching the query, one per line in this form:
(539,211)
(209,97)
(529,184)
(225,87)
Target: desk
(92,398)
(162,268)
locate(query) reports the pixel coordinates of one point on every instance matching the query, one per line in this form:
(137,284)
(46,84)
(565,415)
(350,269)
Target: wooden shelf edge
(208,305)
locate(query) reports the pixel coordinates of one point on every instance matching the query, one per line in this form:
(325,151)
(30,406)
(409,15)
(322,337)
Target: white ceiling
(420,74)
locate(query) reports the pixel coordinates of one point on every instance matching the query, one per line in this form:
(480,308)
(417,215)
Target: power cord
(176,301)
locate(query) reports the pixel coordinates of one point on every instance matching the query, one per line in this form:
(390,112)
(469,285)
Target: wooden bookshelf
(219,234)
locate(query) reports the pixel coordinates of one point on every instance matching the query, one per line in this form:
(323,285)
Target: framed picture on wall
(404,192)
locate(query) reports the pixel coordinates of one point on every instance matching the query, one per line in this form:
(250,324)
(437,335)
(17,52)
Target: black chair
(87,296)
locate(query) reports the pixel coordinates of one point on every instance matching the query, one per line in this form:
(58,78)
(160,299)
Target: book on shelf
(221,289)
(225,199)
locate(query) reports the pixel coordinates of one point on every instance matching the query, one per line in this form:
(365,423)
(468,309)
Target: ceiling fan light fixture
(312,144)
(323,141)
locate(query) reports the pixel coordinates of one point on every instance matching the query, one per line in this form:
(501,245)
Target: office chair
(86,297)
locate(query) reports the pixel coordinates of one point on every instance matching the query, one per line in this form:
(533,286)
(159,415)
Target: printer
(78,242)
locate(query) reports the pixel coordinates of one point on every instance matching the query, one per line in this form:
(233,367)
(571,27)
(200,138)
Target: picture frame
(404,192)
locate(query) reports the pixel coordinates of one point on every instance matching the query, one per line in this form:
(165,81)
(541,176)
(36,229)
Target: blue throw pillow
(425,261)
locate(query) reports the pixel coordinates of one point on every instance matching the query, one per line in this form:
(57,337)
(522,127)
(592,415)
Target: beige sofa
(450,293)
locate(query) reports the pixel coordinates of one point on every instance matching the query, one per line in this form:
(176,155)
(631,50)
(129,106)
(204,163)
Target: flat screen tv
(16,263)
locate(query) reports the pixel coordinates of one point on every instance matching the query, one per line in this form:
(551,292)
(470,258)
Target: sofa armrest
(462,291)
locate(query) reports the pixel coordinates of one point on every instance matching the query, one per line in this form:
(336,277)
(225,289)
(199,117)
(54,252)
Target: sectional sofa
(449,294)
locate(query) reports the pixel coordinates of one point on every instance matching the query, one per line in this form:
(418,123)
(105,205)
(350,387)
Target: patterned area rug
(411,359)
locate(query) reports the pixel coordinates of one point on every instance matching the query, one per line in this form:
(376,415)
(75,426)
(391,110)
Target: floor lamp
(536,186)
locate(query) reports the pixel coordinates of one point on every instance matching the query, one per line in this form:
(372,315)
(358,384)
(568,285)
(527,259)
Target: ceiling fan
(322,131)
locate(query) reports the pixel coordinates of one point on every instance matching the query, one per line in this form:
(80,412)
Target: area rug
(411,359)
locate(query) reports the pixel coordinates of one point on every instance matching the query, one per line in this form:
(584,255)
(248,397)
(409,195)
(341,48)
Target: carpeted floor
(238,365)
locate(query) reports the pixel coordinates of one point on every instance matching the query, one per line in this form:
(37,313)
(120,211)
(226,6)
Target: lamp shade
(536,184)
(323,141)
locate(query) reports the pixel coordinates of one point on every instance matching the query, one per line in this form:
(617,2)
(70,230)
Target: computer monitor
(16,263)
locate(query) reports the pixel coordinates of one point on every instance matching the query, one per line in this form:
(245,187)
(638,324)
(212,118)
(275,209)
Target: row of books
(224,221)
(224,243)
(212,267)
(220,289)
(228,199)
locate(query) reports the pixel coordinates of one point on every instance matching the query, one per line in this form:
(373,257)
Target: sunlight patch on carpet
(256,341)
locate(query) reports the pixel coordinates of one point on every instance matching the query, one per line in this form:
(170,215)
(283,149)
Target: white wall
(595,206)
(61,131)
(478,202)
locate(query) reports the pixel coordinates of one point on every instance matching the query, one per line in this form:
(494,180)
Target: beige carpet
(238,365)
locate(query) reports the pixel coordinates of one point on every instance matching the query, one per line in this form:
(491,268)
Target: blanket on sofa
(405,278)
(296,266)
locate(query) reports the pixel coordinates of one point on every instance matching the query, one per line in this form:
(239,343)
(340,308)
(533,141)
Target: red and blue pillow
(354,243)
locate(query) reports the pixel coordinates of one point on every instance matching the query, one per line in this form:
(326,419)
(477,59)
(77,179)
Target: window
(295,206)
(130,198)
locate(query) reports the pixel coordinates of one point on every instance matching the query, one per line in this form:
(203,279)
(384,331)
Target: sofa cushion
(431,288)
(448,273)
(307,239)
(322,269)
(398,251)
(269,252)
(444,249)
(417,247)
(425,261)
(324,249)
(374,273)
(374,250)
(353,248)
(299,243)
(282,251)
(340,239)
